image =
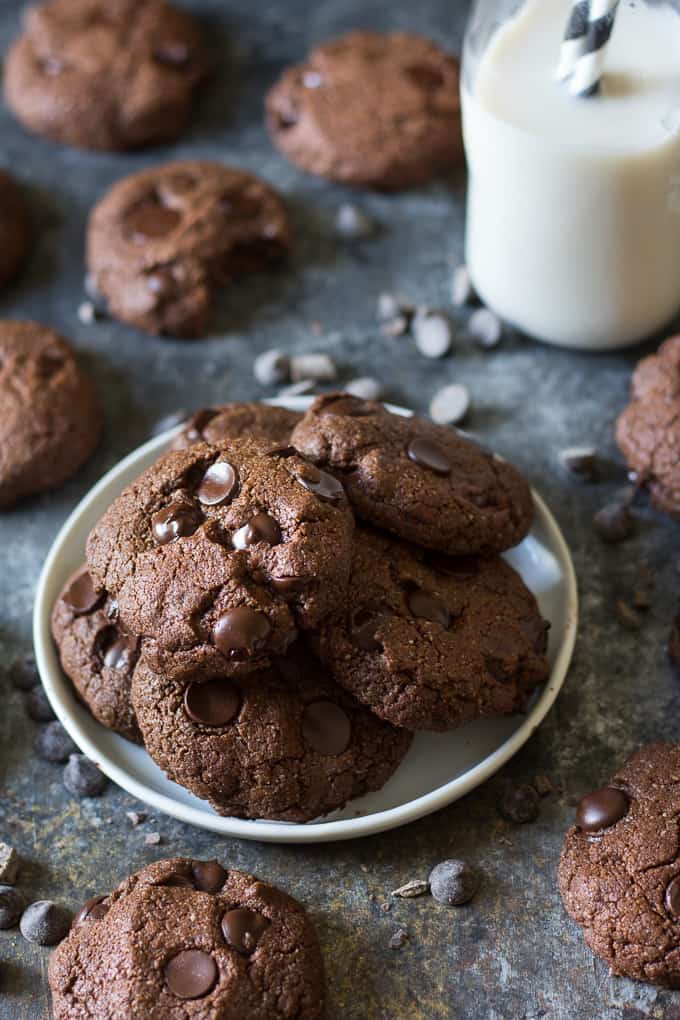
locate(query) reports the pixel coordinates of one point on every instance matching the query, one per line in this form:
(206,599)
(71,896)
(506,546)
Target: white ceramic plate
(438,769)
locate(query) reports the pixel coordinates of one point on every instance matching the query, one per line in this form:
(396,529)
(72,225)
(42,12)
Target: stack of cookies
(278,603)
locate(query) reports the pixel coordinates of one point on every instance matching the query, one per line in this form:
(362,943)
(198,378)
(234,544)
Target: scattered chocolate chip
(37,705)
(399,939)
(297,389)
(135,818)
(12,904)
(209,876)
(151,221)
(614,523)
(82,778)
(81,596)
(260,528)
(519,803)
(44,923)
(425,606)
(191,974)
(462,292)
(9,864)
(121,652)
(454,882)
(398,326)
(179,520)
(353,224)
(542,785)
(365,388)
(241,633)
(326,728)
(218,484)
(486,328)
(23,673)
(271,368)
(322,484)
(409,891)
(243,928)
(319,367)
(152,839)
(672,898)
(627,616)
(580,461)
(214,702)
(601,809)
(92,910)
(450,405)
(54,744)
(87,313)
(432,334)
(427,454)
(390,306)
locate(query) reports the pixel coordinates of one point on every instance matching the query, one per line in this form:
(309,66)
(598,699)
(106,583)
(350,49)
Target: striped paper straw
(585,81)
(575,36)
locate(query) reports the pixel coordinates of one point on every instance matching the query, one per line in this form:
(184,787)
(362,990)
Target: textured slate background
(512,953)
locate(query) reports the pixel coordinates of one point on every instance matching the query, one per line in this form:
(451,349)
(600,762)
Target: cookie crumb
(543,785)
(135,818)
(627,616)
(152,839)
(399,939)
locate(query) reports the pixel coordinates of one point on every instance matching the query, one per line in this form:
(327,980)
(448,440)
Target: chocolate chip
(450,405)
(326,728)
(218,484)
(172,52)
(519,803)
(601,809)
(289,587)
(271,368)
(432,334)
(391,306)
(614,523)
(173,522)
(241,633)
(319,367)
(580,461)
(209,876)
(82,778)
(121,653)
(429,607)
(365,622)
(346,404)
(322,484)
(179,881)
(427,454)
(454,882)
(37,705)
(12,904)
(92,910)
(260,528)
(81,595)
(54,744)
(243,928)
(353,224)
(23,673)
(191,974)
(365,388)
(213,703)
(44,923)
(151,221)
(671,898)
(486,328)
(398,326)
(462,291)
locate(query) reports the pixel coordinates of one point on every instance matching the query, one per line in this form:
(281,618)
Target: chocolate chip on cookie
(619,874)
(163,241)
(428,642)
(189,938)
(381,111)
(96,654)
(648,431)
(426,483)
(50,421)
(287,744)
(219,553)
(230,421)
(105,74)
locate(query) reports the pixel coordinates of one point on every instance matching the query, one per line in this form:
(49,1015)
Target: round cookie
(380,111)
(426,483)
(184,938)
(15,228)
(49,415)
(230,421)
(95,653)
(290,744)
(429,642)
(218,553)
(105,74)
(648,430)
(163,241)
(619,873)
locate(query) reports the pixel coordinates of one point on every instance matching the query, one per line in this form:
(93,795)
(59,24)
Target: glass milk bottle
(573,209)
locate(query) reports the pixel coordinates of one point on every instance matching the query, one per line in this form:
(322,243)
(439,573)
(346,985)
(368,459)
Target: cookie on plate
(619,874)
(50,420)
(184,938)
(218,553)
(15,228)
(426,483)
(428,642)
(105,74)
(95,653)
(648,431)
(163,241)
(380,111)
(230,421)
(286,744)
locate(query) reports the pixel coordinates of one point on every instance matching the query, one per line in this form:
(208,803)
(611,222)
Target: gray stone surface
(511,953)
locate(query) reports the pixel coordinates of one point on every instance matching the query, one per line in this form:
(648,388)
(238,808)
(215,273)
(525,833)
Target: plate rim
(272,831)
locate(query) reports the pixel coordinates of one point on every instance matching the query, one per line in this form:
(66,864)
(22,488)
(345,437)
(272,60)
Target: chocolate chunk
(175,521)
(191,974)
(601,809)
(44,923)
(364,625)
(209,876)
(151,221)
(213,703)
(37,705)
(260,528)
(241,633)
(427,454)
(672,898)
(348,405)
(92,910)
(54,744)
(326,728)
(454,882)
(219,483)
(121,653)
(81,595)
(428,607)
(519,803)
(322,484)
(243,928)
(82,777)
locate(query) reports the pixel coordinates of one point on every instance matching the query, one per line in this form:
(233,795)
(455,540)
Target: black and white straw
(575,35)
(587,69)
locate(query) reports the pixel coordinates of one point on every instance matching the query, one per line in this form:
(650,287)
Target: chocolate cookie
(105,74)
(426,483)
(184,938)
(648,431)
(231,421)
(95,653)
(289,744)
(15,228)
(49,416)
(162,242)
(218,553)
(619,873)
(381,111)
(428,642)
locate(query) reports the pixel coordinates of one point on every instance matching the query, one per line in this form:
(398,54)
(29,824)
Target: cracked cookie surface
(96,654)
(290,744)
(231,421)
(163,241)
(425,483)
(50,420)
(429,642)
(185,938)
(619,873)
(219,553)
(368,109)
(648,430)
(105,74)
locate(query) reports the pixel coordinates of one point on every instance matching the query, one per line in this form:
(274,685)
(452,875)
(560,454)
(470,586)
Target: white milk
(573,217)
